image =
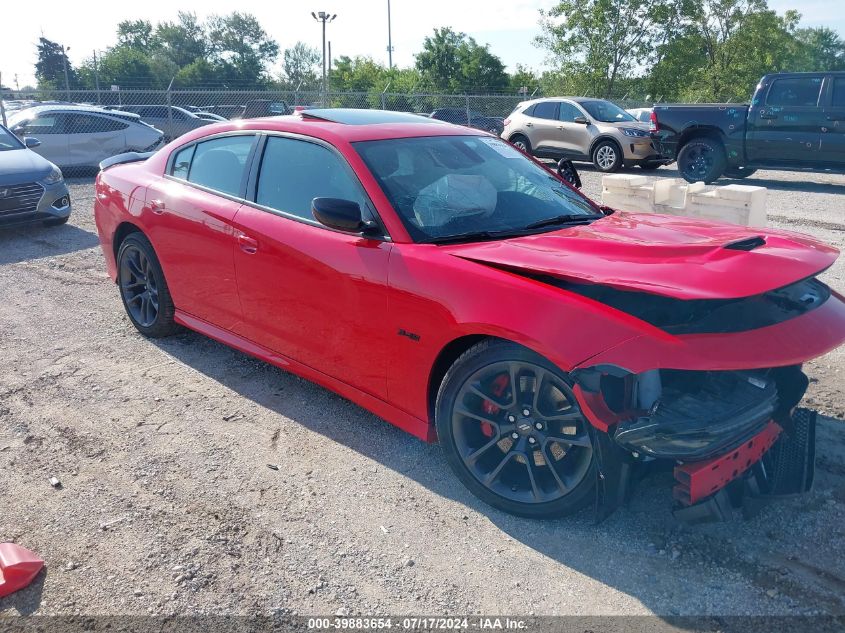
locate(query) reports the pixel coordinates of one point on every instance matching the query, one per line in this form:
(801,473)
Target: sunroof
(352,116)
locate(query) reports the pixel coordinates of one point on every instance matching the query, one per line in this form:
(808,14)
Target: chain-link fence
(80,128)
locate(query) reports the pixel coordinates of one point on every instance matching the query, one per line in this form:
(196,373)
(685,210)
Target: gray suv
(582,129)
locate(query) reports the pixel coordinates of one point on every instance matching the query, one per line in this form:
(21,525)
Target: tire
(607,157)
(509,460)
(143,288)
(738,173)
(56,221)
(702,159)
(651,165)
(522,143)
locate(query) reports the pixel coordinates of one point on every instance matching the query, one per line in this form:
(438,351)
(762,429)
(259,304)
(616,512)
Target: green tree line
(673,50)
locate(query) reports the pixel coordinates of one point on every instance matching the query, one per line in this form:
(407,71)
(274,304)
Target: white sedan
(82,136)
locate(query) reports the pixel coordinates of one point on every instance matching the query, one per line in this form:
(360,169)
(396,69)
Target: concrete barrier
(738,204)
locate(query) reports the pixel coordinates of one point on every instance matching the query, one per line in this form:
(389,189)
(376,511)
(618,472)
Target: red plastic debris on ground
(18,567)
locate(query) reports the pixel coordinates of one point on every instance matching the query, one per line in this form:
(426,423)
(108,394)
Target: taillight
(506,122)
(654,127)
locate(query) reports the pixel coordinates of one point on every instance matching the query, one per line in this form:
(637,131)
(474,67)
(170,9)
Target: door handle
(768,115)
(529,125)
(157,206)
(248,244)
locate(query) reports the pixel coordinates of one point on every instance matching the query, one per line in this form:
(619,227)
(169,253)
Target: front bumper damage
(734,437)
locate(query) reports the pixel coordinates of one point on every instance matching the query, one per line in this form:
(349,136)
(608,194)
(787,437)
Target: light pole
(389,40)
(324,17)
(67,81)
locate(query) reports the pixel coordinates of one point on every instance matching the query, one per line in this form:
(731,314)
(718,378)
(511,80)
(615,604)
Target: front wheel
(607,157)
(143,288)
(513,432)
(702,160)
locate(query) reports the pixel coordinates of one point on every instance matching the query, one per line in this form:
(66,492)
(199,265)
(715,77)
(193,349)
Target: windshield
(606,112)
(446,186)
(8,141)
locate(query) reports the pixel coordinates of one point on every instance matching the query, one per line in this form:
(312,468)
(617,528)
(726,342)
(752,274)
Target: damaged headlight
(629,131)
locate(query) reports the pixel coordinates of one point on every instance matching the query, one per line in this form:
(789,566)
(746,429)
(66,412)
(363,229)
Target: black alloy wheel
(514,432)
(143,288)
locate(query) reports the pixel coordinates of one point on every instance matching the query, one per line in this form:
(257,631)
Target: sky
(508,26)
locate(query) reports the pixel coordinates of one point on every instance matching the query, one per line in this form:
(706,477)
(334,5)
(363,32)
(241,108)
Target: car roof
(337,125)
(78,108)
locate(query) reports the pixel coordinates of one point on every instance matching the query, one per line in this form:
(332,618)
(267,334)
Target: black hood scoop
(748,244)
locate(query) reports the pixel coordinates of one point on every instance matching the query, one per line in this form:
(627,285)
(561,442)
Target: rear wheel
(607,157)
(143,288)
(521,143)
(702,160)
(513,432)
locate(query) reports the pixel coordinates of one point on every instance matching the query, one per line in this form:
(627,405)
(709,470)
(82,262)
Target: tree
(241,48)
(600,41)
(819,49)
(454,62)
(136,34)
(525,78)
(50,67)
(301,67)
(183,41)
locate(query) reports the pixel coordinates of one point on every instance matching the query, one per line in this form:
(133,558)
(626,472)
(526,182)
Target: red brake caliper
(498,388)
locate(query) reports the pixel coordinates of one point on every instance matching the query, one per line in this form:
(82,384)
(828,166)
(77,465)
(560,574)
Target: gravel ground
(198,480)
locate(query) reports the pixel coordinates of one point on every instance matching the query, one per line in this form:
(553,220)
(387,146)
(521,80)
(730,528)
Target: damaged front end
(734,436)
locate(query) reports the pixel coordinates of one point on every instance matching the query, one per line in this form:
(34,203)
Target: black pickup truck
(796,121)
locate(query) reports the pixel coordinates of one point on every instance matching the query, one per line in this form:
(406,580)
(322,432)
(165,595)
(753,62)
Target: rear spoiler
(128,157)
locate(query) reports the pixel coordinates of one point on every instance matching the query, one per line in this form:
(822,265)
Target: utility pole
(389,40)
(67,81)
(96,78)
(329,74)
(324,17)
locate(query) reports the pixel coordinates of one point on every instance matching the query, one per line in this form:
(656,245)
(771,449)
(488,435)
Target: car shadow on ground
(640,549)
(34,241)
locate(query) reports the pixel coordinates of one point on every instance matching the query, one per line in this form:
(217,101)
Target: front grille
(20,198)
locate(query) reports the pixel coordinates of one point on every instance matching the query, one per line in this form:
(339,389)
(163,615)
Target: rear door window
(182,162)
(221,163)
(545,110)
(794,92)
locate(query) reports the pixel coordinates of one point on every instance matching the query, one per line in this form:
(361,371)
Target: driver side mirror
(581,119)
(31,142)
(341,215)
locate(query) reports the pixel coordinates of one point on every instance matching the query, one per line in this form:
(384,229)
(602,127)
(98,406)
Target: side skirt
(384,410)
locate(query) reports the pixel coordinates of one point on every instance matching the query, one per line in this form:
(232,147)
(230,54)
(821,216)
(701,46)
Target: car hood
(22,165)
(664,255)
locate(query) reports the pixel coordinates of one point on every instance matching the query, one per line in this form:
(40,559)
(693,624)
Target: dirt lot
(168,504)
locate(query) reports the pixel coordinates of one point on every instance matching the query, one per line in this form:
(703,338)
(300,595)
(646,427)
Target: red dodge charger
(450,284)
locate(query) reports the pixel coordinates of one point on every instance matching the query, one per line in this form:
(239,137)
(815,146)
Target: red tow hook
(18,568)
